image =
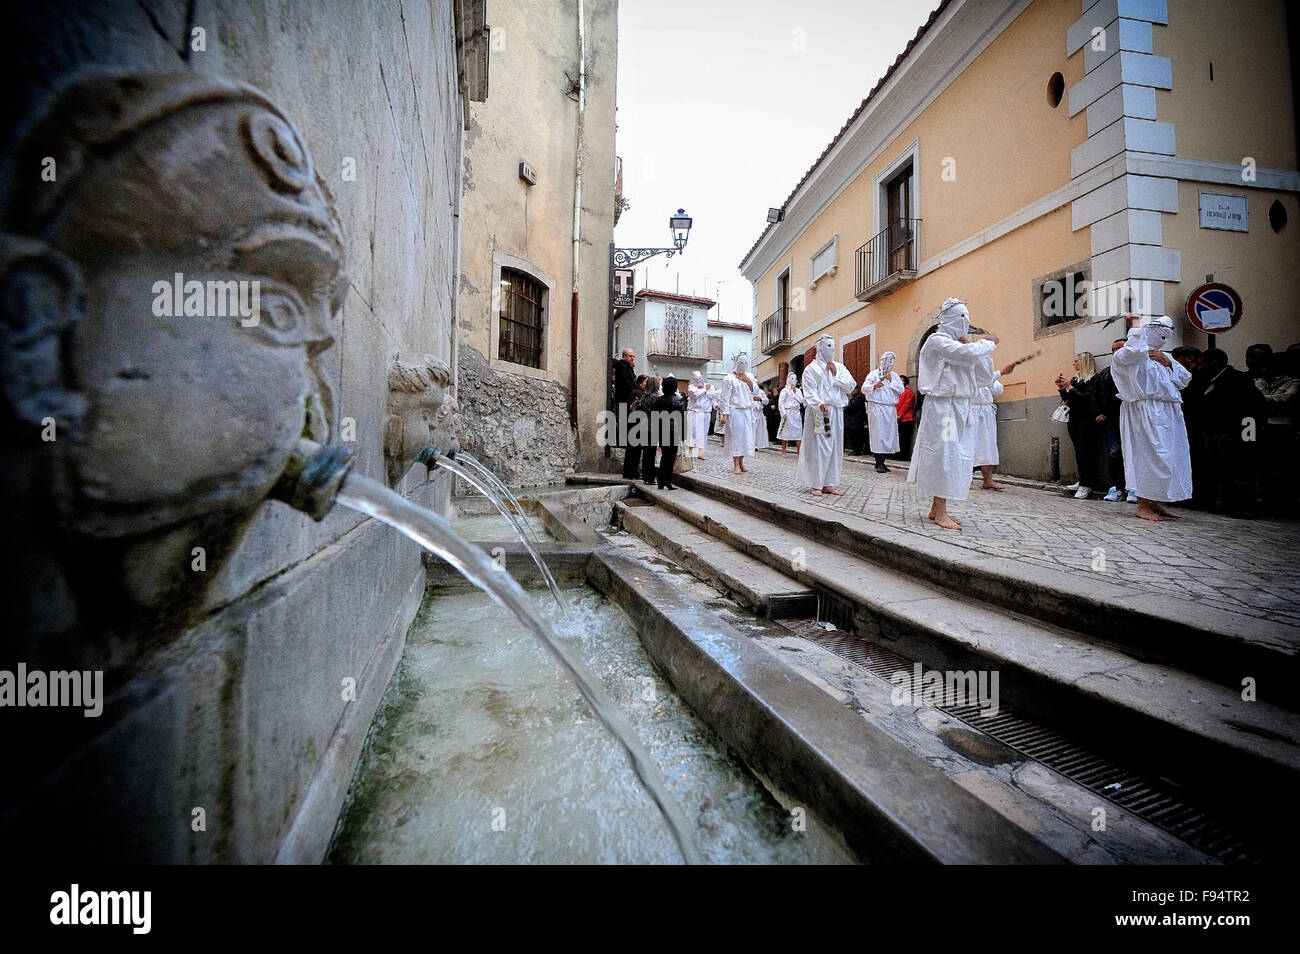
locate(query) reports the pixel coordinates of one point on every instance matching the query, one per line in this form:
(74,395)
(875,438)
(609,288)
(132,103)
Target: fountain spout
(312,477)
(430,453)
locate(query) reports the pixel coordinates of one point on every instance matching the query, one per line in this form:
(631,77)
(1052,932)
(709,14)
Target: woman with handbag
(1079,400)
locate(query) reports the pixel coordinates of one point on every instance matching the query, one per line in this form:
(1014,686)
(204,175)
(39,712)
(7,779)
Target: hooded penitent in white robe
(736,401)
(984,413)
(760,422)
(1157,458)
(882,405)
(821,455)
(943,457)
(790,404)
(700,401)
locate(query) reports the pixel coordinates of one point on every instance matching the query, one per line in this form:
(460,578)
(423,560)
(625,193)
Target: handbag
(1062,413)
(683,463)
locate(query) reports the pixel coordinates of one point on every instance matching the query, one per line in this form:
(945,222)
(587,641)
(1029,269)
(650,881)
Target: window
(522,318)
(1061,299)
(715,347)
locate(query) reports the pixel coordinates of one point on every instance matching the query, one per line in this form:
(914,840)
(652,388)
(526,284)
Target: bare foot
(744,469)
(947,522)
(1148,514)
(1164,512)
(832,491)
(736,470)
(993,485)
(816,493)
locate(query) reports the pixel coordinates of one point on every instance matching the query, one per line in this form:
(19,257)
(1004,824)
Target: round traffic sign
(1214,308)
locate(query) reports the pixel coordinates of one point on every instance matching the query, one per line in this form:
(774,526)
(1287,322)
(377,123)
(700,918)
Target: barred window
(522,319)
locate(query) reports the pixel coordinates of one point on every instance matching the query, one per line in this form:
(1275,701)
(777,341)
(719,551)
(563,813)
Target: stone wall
(230,732)
(516,426)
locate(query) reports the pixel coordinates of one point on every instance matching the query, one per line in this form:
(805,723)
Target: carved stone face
(416,397)
(178,282)
(211,262)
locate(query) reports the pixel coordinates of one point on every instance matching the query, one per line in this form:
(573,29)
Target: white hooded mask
(887,362)
(1158,332)
(697,379)
(826,348)
(742,363)
(954,318)
(792,380)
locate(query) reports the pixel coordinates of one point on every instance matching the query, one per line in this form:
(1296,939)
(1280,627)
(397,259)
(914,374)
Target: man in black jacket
(1232,413)
(624,374)
(855,421)
(1108,401)
(668,429)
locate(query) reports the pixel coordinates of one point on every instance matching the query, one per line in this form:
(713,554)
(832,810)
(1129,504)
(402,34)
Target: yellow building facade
(1020,155)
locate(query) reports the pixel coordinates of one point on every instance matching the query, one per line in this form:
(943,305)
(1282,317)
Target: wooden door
(857,358)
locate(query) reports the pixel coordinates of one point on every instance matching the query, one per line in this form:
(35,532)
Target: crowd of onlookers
(1241,428)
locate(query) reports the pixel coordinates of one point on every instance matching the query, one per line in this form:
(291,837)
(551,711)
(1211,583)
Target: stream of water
(435,534)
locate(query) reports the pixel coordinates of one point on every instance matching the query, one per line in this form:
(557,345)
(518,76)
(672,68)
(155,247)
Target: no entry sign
(1214,308)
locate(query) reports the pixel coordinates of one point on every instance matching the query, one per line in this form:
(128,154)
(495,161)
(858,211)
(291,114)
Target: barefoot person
(739,394)
(944,453)
(883,388)
(702,396)
(790,404)
(1157,457)
(826,389)
(984,419)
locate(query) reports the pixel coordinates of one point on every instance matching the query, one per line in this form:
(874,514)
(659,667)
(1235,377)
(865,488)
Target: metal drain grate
(1157,801)
(833,608)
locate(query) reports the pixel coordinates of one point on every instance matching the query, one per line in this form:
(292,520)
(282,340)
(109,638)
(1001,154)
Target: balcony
(677,345)
(775,333)
(888,260)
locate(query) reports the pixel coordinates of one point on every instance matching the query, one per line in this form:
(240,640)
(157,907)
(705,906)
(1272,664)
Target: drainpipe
(577,216)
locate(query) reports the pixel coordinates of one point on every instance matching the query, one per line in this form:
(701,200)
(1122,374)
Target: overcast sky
(722,107)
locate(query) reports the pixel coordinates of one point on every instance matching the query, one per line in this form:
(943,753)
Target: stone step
(1151,714)
(755,584)
(1217,644)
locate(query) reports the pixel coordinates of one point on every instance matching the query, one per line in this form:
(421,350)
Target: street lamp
(680,227)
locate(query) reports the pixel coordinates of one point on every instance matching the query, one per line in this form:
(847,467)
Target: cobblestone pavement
(1244,566)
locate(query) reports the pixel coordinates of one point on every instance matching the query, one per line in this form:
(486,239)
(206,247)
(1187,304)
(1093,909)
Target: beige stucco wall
(517,418)
(1246,110)
(1262,265)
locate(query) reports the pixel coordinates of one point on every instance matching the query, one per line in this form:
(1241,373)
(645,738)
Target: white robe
(791,405)
(760,423)
(821,458)
(882,410)
(700,401)
(1157,457)
(736,401)
(984,414)
(943,456)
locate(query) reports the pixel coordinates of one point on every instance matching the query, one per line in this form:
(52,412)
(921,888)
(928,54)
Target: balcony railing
(670,343)
(888,260)
(775,333)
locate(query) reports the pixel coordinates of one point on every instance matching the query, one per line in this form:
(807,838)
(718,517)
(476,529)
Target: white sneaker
(1113,495)
(1073,487)
(1132,496)
(1082,493)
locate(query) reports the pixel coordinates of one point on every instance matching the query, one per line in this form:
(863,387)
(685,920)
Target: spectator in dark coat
(1233,413)
(772,413)
(669,429)
(632,456)
(649,471)
(855,421)
(1108,405)
(1202,488)
(1080,393)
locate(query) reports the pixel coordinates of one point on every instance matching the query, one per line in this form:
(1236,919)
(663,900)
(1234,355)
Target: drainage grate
(790,605)
(833,608)
(1158,801)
